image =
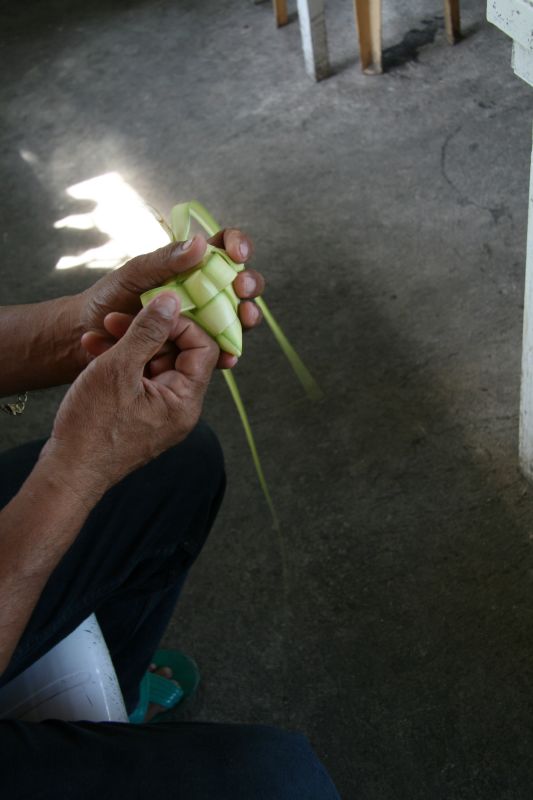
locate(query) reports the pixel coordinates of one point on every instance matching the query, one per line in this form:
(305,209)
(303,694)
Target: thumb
(152,269)
(149,330)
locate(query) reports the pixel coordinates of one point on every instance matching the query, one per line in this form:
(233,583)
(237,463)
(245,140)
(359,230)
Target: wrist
(68,330)
(41,344)
(69,476)
(40,523)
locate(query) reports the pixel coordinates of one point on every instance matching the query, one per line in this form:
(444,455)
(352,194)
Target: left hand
(109,306)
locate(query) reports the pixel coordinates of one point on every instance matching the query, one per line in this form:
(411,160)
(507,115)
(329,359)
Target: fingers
(249,314)
(166,359)
(117,323)
(236,244)
(95,343)
(148,332)
(152,269)
(226,361)
(163,361)
(249,284)
(196,360)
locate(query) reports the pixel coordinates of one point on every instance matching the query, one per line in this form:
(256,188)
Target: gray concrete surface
(391,619)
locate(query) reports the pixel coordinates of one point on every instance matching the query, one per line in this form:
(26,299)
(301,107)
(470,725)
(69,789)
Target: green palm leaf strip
(302,373)
(232,385)
(207,296)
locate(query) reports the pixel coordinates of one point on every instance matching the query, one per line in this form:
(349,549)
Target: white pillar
(515,18)
(526,390)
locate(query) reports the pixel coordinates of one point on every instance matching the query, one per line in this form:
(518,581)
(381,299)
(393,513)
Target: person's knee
(202,445)
(190,479)
(195,466)
(164,509)
(273,763)
(191,473)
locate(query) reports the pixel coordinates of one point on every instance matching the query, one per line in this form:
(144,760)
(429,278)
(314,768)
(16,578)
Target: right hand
(114,419)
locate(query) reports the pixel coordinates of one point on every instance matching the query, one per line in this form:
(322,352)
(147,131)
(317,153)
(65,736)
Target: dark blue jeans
(128,565)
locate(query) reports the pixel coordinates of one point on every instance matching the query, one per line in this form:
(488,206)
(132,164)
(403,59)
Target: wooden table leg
(368,16)
(453,20)
(280,12)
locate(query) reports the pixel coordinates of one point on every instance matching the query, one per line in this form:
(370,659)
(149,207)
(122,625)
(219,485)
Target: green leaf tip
(232,385)
(180,222)
(312,388)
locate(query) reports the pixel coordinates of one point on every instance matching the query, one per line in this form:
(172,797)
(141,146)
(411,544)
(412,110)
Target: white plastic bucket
(74,681)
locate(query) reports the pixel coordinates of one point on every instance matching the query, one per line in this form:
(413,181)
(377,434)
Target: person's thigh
(182,761)
(140,539)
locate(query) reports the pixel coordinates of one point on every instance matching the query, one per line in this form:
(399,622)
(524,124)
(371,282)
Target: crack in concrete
(496,212)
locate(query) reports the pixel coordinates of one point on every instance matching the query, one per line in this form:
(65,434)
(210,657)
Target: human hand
(114,418)
(108,307)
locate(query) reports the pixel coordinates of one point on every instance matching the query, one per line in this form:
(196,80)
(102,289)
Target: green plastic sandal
(160,690)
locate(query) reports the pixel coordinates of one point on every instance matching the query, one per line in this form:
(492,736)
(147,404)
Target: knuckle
(132,275)
(150,329)
(157,257)
(114,372)
(162,254)
(206,366)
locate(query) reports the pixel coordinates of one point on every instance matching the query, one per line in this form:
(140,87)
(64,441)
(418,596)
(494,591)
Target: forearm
(36,529)
(40,345)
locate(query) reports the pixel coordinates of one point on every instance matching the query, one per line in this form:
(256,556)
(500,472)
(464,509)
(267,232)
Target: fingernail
(244,248)
(165,305)
(248,284)
(186,245)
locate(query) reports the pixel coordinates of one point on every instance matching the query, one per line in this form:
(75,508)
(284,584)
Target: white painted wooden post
(314,38)
(526,390)
(515,18)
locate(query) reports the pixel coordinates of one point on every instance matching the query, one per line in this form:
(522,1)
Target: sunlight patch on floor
(121,214)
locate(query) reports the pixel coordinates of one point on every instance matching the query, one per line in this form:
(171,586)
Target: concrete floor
(391,620)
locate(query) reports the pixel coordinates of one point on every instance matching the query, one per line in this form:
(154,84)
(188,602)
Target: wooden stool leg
(368,15)
(280,12)
(453,20)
